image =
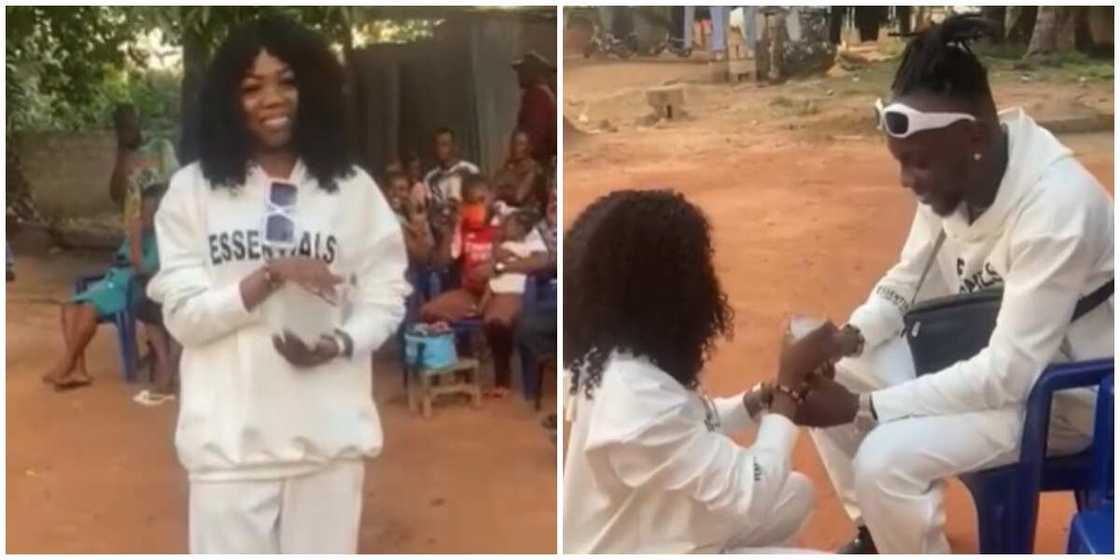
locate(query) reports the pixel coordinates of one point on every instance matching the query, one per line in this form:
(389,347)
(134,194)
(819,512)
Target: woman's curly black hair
(223,139)
(639,277)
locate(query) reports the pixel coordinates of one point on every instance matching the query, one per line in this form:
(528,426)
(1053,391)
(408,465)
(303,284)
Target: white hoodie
(650,467)
(1048,240)
(246,413)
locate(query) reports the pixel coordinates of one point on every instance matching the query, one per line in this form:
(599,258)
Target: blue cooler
(438,347)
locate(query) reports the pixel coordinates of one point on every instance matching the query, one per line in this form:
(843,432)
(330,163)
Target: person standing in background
(537,115)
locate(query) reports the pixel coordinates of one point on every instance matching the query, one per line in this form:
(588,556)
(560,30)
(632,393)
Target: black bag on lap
(946,330)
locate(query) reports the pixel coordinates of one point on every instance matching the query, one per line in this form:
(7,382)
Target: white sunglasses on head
(901,121)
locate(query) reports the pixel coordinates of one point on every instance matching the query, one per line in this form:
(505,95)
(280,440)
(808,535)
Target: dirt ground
(806,208)
(91,472)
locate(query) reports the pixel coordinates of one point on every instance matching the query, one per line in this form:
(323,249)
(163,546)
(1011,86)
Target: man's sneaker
(862,544)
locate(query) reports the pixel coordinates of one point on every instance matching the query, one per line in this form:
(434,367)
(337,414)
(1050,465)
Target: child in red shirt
(472,247)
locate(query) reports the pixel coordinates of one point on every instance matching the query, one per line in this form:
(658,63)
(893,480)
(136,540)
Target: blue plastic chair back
(1104,455)
(1006,497)
(1091,530)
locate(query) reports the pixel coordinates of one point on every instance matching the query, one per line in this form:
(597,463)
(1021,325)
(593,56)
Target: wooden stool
(422,389)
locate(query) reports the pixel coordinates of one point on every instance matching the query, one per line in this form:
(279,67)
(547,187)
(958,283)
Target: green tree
(58,59)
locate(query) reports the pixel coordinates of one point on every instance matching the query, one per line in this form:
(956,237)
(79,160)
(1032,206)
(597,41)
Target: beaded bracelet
(798,396)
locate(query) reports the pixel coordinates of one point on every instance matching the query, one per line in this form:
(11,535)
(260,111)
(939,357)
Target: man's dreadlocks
(939,60)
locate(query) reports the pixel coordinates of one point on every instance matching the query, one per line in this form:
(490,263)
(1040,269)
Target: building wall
(68,172)
(461,78)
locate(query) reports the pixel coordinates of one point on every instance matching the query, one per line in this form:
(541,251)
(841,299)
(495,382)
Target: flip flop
(151,398)
(70,384)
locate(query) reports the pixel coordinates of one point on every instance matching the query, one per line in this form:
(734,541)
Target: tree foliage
(58,60)
(67,66)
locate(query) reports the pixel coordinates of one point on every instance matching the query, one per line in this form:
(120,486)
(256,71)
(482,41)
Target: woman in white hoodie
(1014,209)
(650,464)
(273,431)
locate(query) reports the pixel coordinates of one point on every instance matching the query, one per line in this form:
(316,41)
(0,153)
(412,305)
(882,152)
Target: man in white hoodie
(1017,211)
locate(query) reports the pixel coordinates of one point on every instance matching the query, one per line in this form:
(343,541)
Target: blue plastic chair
(1091,531)
(1006,497)
(125,322)
(540,291)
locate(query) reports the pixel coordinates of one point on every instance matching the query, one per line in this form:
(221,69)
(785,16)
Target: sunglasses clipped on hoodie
(279,219)
(902,121)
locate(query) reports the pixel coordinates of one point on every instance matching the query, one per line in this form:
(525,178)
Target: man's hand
(805,356)
(299,355)
(826,404)
(849,340)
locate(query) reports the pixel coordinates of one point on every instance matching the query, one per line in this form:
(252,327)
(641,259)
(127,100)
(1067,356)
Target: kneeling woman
(650,466)
(273,432)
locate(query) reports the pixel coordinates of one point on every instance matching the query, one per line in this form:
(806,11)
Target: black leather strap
(1091,301)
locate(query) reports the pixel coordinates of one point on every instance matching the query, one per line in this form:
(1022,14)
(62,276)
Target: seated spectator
(413,217)
(412,168)
(545,230)
(516,181)
(510,285)
(109,296)
(516,241)
(471,245)
(536,324)
(445,181)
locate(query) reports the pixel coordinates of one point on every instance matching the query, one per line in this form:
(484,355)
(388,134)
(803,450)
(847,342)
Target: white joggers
(782,524)
(891,478)
(315,513)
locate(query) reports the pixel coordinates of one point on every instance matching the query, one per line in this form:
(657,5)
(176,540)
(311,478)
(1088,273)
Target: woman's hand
(298,354)
(311,274)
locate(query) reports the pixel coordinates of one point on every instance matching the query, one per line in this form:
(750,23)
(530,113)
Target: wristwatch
(344,342)
(866,420)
